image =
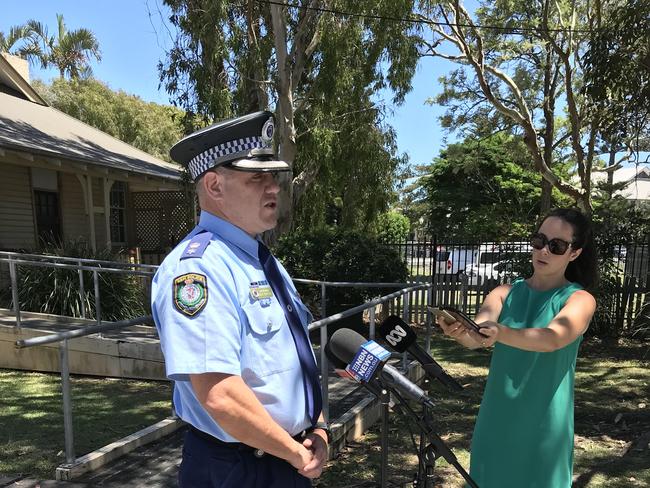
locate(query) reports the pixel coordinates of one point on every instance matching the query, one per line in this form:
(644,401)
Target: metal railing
(63,338)
(80,265)
(16,259)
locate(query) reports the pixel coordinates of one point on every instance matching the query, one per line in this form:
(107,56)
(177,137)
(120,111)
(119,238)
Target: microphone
(402,338)
(339,368)
(366,361)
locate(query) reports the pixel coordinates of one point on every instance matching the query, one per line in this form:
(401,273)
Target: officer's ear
(211,185)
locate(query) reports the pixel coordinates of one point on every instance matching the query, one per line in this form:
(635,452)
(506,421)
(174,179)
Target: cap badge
(267,131)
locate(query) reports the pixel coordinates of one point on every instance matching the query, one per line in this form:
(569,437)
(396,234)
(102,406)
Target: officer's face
(249,200)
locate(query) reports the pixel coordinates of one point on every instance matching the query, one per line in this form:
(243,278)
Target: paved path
(57,323)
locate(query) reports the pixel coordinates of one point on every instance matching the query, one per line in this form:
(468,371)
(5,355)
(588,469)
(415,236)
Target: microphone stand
(437,447)
(426,458)
(383,466)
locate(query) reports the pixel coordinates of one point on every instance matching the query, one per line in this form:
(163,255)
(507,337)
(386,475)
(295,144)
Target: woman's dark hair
(583,269)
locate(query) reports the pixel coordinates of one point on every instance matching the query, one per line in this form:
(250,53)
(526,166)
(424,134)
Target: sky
(133,37)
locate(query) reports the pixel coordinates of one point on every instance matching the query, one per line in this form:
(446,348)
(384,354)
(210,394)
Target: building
(635,180)
(62,179)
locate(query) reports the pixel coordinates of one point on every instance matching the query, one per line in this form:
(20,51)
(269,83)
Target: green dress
(523,436)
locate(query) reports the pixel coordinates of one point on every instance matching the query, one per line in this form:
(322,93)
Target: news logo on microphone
(369,358)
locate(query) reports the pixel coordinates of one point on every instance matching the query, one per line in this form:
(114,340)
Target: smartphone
(442,314)
(448,317)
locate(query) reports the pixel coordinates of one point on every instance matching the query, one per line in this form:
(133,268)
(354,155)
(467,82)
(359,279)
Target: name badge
(261,291)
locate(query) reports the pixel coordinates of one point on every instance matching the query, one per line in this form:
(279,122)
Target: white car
(497,263)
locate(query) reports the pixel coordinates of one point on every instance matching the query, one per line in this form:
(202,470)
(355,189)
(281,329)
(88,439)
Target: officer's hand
(301,458)
(318,446)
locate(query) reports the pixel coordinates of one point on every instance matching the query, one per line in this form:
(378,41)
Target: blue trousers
(207,464)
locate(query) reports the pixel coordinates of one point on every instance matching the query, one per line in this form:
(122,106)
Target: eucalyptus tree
(324,73)
(617,72)
(520,70)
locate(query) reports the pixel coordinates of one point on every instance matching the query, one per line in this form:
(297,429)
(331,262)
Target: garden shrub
(56,291)
(340,255)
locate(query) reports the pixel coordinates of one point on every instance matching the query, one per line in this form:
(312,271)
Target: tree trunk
(610,174)
(545,200)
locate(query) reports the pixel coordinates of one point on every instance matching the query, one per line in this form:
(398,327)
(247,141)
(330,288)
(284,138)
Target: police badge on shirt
(190,293)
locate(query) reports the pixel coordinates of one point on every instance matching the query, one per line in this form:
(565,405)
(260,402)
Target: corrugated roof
(34,127)
(38,129)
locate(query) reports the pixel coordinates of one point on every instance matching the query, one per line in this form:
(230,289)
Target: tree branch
(299,52)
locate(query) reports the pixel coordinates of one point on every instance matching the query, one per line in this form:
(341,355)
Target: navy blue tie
(300,338)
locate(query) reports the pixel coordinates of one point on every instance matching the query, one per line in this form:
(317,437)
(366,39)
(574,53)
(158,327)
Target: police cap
(243,143)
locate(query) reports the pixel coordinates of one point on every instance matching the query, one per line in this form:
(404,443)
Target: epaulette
(197,245)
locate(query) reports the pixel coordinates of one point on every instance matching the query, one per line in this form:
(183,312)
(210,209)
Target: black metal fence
(464,273)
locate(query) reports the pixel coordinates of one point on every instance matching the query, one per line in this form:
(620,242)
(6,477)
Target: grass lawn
(612,421)
(104,410)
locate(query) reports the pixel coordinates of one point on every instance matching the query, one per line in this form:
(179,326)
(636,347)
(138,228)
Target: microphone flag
(367,361)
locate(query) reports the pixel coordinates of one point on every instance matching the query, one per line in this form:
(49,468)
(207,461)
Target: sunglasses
(555,245)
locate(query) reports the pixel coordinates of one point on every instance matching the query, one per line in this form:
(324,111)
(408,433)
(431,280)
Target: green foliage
(22,41)
(357,172)
(225,62)
(618,219)
(482,188)
(617,68)
(617,223)
(69,51)
(392,227)
(56,291)
(150,127)
(340,255)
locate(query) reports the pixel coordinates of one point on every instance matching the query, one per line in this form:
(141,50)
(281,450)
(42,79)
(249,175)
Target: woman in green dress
(523,436)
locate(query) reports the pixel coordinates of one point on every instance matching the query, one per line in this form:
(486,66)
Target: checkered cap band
(227,151)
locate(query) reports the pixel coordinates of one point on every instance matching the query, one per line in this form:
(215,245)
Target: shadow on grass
(630,469)
(612,420)
(104,410)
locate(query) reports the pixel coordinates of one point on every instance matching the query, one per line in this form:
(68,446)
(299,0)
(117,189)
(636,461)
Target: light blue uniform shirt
(236,332)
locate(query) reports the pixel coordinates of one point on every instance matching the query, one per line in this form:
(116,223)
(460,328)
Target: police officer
(232,327)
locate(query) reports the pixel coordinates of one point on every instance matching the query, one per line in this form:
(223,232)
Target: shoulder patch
(197,245)
(190,293)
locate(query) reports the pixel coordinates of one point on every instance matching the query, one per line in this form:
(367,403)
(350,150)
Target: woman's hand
(489,333)
(459,332)
(455,330)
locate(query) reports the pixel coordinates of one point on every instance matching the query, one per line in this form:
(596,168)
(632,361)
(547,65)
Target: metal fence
(463,273)
(17,260)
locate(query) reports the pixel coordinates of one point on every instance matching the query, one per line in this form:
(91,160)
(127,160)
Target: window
(118,212)
(48,221)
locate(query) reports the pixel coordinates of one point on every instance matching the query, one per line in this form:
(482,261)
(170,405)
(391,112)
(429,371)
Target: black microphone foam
(334,361)
(397,333)
(345,343)
(401,337)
